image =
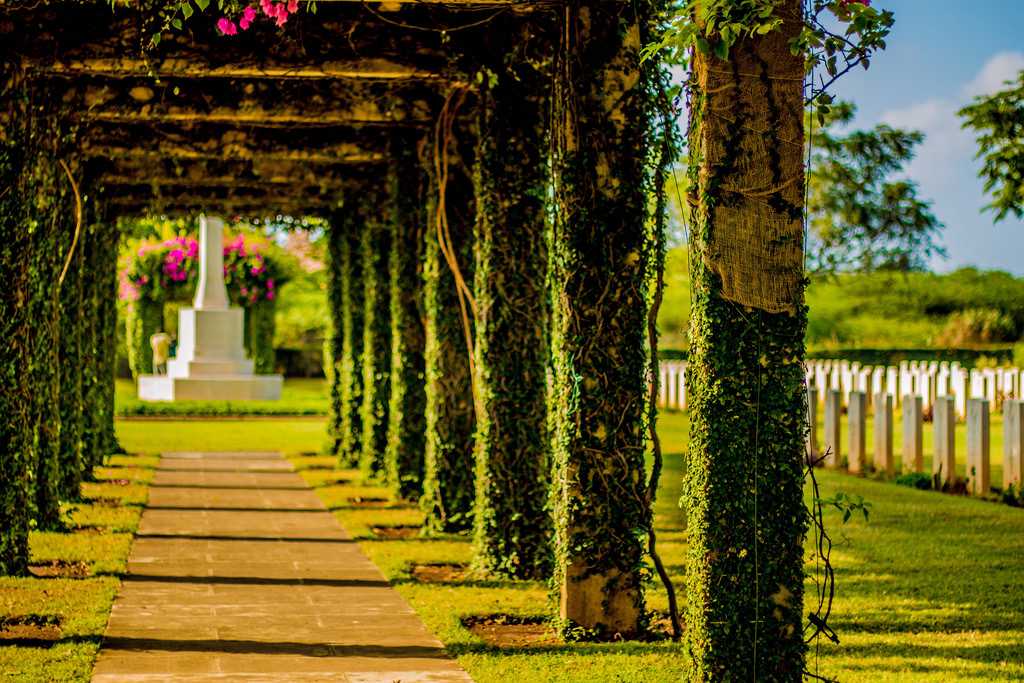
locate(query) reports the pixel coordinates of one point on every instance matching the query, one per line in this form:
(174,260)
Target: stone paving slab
(239,573)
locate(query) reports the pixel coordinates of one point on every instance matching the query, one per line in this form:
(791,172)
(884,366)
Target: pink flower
(270,284)
(293,6)
(270,295)
(227,27)
(267,6)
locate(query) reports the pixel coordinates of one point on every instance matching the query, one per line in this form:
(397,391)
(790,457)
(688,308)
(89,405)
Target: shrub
(915,480)
(978,326)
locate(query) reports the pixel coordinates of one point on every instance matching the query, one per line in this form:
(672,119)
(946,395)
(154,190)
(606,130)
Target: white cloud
(1000,68)
(947,147)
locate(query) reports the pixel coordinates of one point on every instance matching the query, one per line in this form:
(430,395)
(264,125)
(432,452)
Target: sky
(940,54)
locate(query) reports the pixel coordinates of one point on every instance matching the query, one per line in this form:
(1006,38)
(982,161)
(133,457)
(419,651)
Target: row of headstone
(944,420)
(672,387)
(927,380)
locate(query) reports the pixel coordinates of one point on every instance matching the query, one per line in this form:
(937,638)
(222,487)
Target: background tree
(998,123)
(862,216)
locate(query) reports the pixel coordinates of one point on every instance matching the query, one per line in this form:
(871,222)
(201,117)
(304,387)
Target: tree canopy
(998,123)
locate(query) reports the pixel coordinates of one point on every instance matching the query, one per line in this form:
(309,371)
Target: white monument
(210,364)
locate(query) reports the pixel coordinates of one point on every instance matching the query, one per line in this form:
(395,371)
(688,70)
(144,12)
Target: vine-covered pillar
(90,363)
(375,247)
(53,227)
(74,369)
(512,520)
(145,318)
(345,298)
(743,491)
(448,470)
(107,241)
(406,414)
(260,327)
(599,253)
(17,455)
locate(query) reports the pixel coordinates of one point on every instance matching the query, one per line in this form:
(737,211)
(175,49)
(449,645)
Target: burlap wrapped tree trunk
(746,519)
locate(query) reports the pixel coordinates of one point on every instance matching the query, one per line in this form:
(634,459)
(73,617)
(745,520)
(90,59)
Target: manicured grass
(97,542)
(300,396)
(294,435)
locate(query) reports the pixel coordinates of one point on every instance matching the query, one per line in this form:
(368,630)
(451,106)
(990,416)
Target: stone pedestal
(210,364)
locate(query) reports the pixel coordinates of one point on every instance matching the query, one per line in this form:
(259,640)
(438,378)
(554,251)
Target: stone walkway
(239,573)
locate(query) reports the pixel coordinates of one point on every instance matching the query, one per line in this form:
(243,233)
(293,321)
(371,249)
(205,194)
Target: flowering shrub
(169,271)
(278,11)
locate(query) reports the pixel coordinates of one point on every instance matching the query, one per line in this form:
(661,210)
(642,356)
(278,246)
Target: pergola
(487,169)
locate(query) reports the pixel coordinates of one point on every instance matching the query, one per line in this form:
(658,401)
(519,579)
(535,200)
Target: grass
(97,541)
(300,396)
(929,589)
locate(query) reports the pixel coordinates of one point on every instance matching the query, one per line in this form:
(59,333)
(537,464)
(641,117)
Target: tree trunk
(407,419)
(743,492)
(599,255)
(513,524)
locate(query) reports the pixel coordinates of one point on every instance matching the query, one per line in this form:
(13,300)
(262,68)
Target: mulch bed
(361,502)
(34,629)
(510,631)
(396,532)
(438,573)
(60,569)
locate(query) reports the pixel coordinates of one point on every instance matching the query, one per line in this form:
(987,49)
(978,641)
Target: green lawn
(930,589)
(300,396)
(94,548)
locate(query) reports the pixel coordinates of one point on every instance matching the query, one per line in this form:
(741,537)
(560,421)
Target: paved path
(239,573)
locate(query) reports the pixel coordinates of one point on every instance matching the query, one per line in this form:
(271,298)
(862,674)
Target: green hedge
(406,413)
(375,247)
(966,357)
(144,318)
(512,535)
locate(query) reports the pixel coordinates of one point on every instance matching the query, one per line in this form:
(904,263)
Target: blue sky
(940,54)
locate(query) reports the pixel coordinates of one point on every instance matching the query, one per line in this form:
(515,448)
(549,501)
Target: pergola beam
(206,140)
(245,101)
(169,171)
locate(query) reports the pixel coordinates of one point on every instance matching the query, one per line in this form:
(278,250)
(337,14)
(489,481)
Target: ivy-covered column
(743,491)
(17,436)
(145,318)
(406,414)
(52,239)
(512,521)
(448,470)
(375,247)
(89,373)
(260,327)
(599,254)
(106,240)
(345,298)
(74,367)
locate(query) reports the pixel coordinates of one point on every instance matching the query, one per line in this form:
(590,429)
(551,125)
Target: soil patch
(438,573)
(510,631)
(60,569)
(35,629)
(396,532)
(360,502)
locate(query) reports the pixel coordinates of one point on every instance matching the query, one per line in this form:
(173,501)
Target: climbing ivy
(599,269)
(345,298)
(374,248)
(448,471)
(16,402)
(91,356)
(105,350)
(259,337)
(144,318)
(406,414)
(512,535)
(73,368)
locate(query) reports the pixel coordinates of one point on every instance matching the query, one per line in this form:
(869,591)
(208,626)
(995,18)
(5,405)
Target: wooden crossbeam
(243,101)
(327,145)
(167,171)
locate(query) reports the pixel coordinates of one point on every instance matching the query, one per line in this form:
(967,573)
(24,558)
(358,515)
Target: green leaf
(202,5)
(186,9)
(722,50)
(176,23)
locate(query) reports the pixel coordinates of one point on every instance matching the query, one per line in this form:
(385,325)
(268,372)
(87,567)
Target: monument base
(210,388)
